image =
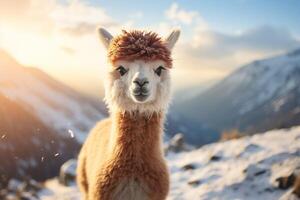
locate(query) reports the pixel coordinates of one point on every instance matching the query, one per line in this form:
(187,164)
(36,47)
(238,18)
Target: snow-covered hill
(245,168)
(57,105)
(42,121)
(260,96)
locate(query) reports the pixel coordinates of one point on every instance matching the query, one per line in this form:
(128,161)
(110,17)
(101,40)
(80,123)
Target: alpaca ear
(105,37)
(172,39)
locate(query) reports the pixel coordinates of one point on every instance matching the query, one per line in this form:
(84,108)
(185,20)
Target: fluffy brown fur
(296,189)
(139,45)
(122,158)
(129,165)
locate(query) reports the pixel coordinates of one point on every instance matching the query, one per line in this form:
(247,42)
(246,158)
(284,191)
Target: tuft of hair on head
(136,44)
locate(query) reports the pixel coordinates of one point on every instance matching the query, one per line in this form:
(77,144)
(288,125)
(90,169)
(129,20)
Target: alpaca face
(141,85)
(138,85)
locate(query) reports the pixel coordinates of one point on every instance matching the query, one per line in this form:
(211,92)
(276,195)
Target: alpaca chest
(134,182)
(120,184)
(131,189)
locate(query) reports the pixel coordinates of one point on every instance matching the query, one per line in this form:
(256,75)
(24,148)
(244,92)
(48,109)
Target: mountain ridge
(257,97)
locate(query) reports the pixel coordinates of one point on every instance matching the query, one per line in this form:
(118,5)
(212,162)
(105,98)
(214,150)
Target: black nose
(141,81)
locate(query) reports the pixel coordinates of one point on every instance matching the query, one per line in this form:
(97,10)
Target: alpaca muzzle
(140,91)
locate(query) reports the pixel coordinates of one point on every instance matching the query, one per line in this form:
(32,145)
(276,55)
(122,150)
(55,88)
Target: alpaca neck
(136,135)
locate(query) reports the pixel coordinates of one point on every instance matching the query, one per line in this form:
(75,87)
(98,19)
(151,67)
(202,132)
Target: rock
(250,149)
(30,185)
(177,144)
(254,170)
(268,189)
(26,189)
(28,196)
(296,189)
(215,158)
(194,182)
(258,173)
(286,182)
(67,173)
(188,167)
(13,185)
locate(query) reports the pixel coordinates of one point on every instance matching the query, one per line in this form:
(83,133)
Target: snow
(263,80)
(246,168)
(56,191)
(56,106)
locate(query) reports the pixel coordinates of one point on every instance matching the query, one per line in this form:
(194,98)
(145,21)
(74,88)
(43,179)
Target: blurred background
(236,73)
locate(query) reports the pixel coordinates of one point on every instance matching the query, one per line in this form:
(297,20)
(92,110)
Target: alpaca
(122,158)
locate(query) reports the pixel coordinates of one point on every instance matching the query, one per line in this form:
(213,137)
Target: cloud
(29,15)
(205,55)
(177,16)
(264,40)
(68,50)
(137,15)
(60,38)
(79,18)
(82,28)
(180,15)
(208,46)
(212,55)
(9,8)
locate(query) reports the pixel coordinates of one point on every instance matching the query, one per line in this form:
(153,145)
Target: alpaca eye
(121,70)
(159,70)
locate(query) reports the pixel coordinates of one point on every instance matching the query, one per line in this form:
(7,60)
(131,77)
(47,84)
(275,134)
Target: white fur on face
(120,90)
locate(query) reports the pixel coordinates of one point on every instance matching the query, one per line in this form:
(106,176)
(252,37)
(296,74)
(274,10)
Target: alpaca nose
(141,81)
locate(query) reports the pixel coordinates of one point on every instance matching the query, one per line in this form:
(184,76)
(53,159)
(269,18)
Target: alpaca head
(138,76)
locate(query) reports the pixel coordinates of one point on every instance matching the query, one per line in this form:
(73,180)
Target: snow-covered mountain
(195,133)
(247,168)
(41,120)
(260,96)
(57,105)
(28,147)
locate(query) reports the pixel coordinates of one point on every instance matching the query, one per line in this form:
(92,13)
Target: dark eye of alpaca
(159,70)
(122,70)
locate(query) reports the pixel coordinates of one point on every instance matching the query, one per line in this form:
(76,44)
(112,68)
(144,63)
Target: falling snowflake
(3,136)
(71,133)
(56,155)
(38,130)
(42,159)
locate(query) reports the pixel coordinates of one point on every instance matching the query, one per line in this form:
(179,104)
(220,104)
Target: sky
(60,37)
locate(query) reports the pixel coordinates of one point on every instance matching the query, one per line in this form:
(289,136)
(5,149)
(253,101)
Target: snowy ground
(239,169)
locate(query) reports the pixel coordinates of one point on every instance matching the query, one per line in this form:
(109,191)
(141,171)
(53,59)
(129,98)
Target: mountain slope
(42,121)
(195,133)
(246,169)
(260,96)
(54,103)
(27,146)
